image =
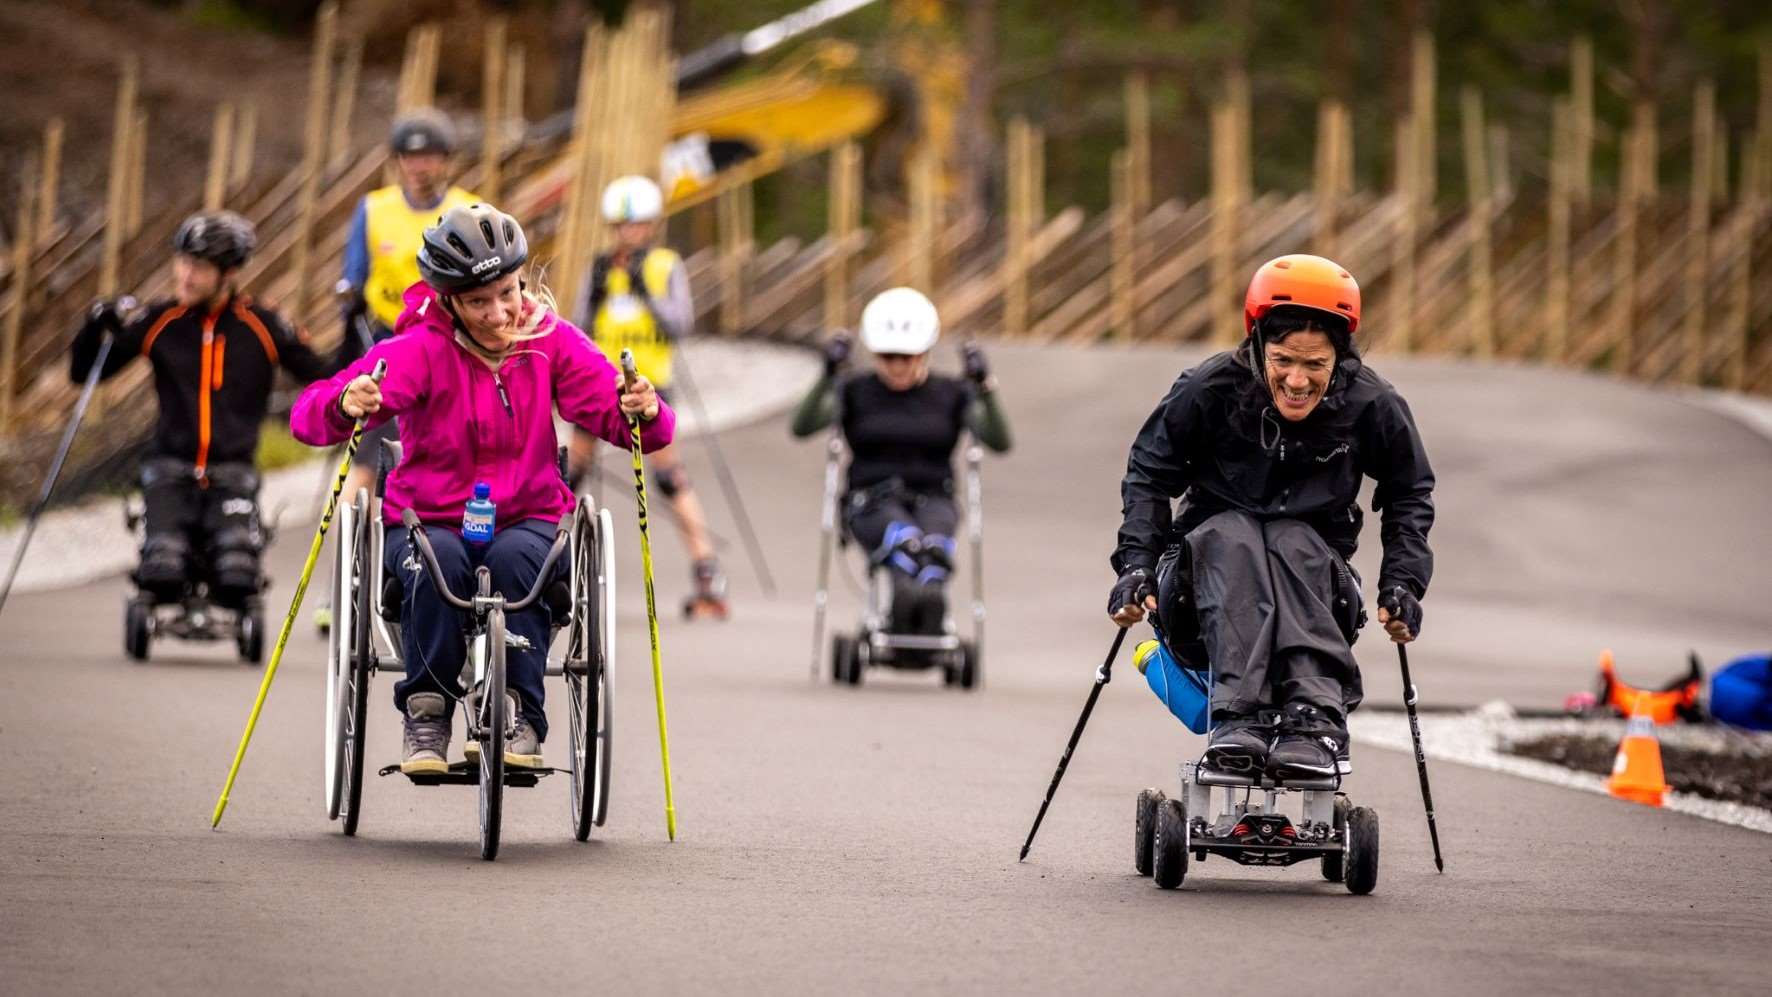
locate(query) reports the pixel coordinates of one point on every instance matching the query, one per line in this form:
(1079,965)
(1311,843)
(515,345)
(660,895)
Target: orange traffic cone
(1636,772)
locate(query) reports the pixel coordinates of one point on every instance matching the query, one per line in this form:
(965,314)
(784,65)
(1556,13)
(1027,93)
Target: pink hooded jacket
(461,422)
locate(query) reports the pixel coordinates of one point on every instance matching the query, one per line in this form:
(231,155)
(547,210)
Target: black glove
(1132,588)
(836,352)
(1400,604)
(104,315)
(972,357)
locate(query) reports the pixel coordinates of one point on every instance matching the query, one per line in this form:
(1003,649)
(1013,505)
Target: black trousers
(1276,613)
(200,530)
(884,517)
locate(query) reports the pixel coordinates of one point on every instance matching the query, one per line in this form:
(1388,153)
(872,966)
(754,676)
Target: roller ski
(709,600)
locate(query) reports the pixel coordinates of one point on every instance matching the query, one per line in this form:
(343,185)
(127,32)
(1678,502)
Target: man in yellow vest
(381,258)
(637,298)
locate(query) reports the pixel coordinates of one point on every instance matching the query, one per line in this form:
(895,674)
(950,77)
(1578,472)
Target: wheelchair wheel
(969,666)
(359,659)
(590,651)
(1334,866)
(137,621)
(1362,851)
(494,715)
(857,667)
(1169,844)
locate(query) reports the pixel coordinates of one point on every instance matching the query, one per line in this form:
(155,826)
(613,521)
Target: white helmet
(901,320)
(632,199)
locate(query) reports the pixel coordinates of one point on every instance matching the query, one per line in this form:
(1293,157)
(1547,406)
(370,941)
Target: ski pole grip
(380,371)
(628,371)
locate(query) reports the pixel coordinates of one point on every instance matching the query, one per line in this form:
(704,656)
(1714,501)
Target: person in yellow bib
(637,298)
(381,257)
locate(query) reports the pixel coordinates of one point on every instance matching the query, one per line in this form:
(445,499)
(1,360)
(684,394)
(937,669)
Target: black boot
(1239,744)
(1310,742)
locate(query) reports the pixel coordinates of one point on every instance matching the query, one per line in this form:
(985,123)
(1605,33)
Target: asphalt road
(864,840)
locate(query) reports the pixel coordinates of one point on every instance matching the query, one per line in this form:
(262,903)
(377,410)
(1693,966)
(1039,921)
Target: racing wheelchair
(875,642)
(365,639)
(195,614)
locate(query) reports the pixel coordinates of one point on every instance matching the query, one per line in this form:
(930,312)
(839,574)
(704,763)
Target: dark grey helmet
(223,238)
(471,246)
(424,130)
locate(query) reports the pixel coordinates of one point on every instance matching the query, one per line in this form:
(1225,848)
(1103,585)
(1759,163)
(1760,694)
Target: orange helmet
(1306,282)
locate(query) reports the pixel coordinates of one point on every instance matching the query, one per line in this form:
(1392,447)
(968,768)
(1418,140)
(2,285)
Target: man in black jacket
(215,354)
(1266,447)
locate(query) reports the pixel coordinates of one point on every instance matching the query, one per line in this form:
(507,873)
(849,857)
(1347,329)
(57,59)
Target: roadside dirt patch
(1740,771)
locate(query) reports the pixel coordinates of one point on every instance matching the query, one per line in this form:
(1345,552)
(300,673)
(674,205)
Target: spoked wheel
(1144,828)
(347,665)
(590,653)
(1334,865)
(1169,844)
(494,715)
(359,657)
(1362,851)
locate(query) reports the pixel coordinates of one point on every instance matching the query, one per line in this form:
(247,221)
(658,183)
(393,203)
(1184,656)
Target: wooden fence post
(245,135)
(1422,100)
(1747,212)
(117,191)
(1019,151)
(22,251)
(492,116)
(1581,119)
(515,70)
(1480,340)
(313,153)
(49,192)
(1138,144)
(1624,256)
(221,149)
(1563,168)
(1692,347)
(844,217)
(1121,222)
(736,244)
(920,246)
(138,174)
(338,151)
(1402,332)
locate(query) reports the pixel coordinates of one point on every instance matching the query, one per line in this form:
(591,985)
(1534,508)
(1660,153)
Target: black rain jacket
(213,372)
(1217,443)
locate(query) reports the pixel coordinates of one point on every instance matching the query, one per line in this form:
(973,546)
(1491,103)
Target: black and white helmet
(423,130)
(223,238)
(471,246)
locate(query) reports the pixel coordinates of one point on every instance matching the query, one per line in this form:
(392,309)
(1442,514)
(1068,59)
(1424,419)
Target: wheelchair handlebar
(415,530)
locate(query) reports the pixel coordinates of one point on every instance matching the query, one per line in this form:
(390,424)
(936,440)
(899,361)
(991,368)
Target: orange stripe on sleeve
(252,322)
(159,324)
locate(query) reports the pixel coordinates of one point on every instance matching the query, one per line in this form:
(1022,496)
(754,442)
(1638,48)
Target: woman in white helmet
(902,423)
(637,298)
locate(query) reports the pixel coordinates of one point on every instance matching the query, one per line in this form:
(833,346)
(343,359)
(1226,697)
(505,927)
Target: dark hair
(1285,320)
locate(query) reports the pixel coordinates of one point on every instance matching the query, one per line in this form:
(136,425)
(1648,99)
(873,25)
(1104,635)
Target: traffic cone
(1636,772)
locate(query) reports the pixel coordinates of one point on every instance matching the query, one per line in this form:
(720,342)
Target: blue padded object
(1186,692)
(1741,692)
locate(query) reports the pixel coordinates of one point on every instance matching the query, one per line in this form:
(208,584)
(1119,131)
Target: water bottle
(476,519)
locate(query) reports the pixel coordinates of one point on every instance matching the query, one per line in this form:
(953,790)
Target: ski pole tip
(1024,854)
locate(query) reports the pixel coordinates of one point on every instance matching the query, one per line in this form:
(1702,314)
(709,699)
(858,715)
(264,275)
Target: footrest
(464,774)
(1261,780)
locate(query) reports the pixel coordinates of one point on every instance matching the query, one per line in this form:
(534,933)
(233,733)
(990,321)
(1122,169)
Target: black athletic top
(910,435)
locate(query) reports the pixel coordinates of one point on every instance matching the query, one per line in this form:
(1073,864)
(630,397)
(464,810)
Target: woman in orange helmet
(1266,446)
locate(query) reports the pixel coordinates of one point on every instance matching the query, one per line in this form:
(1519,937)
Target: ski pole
(301,589)
(1427,797)
(727,483)
(61,452)
(827,531)
(1102,676)
(664,745)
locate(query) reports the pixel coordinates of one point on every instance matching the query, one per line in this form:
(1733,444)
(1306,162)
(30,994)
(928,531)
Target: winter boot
(427,734)
(1310,743)
(709,600)
(1239,744)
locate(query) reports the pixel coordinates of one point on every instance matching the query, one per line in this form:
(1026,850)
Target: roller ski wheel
(1362,851)
(1169,844)
(699,607)
(1335,865)
(1144,828)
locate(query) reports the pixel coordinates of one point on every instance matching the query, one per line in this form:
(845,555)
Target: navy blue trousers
(432,631)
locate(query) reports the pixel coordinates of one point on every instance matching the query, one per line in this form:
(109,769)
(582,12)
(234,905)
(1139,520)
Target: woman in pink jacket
(476,367)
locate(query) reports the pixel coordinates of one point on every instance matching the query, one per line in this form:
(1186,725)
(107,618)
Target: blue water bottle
(476,519)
